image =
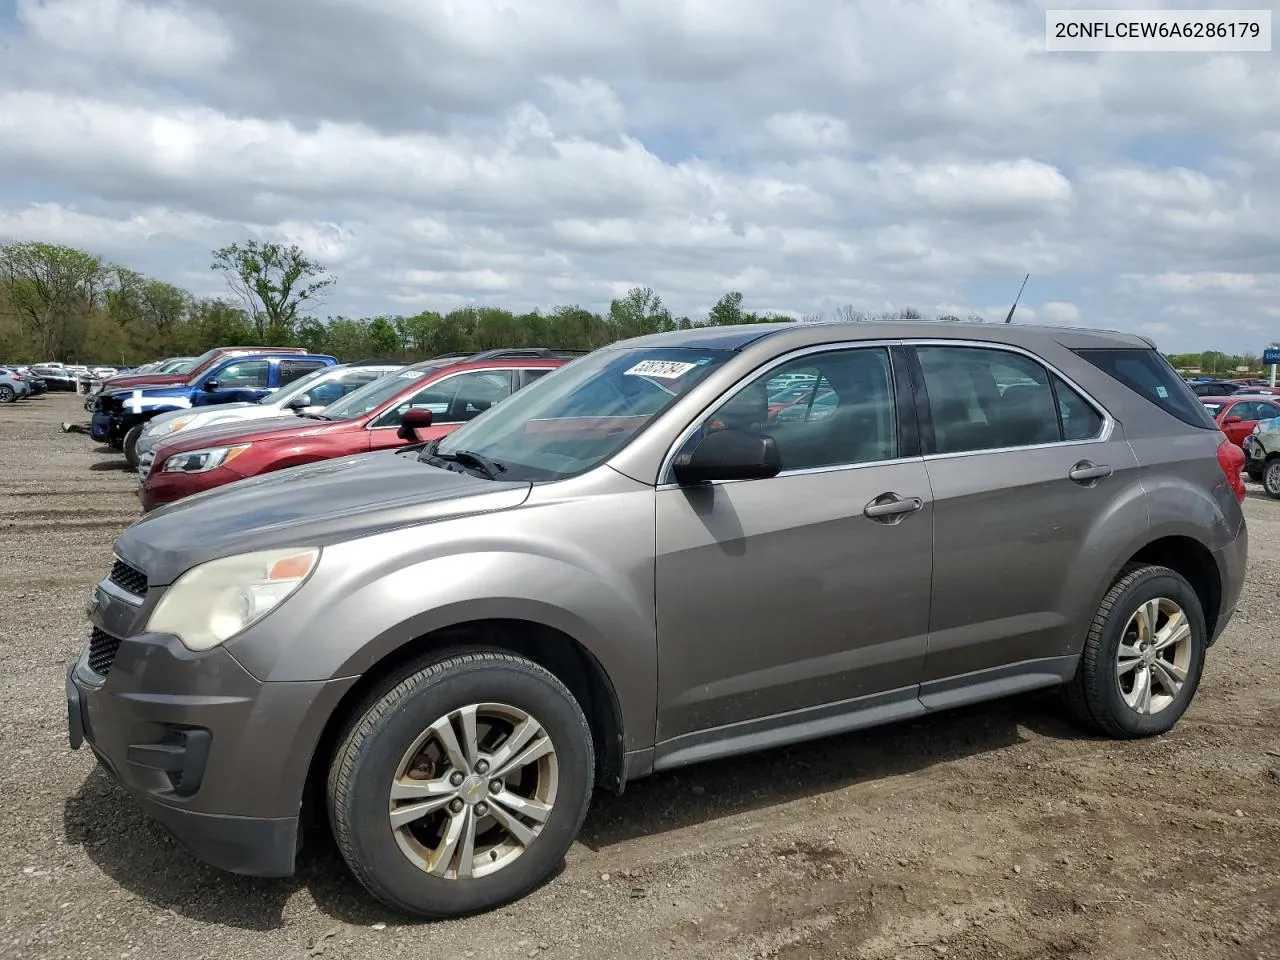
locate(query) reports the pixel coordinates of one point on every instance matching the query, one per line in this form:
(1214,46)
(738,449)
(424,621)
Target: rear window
(1149,375)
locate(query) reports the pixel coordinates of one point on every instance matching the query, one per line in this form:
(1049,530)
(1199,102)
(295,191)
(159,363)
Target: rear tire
(1106,694)
(469,851)
(130,445)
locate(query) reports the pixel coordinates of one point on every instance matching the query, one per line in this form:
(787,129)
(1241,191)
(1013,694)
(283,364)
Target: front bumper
(102,427)
(210,752)
(159,488)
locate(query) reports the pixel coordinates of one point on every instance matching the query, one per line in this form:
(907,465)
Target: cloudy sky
(810,153)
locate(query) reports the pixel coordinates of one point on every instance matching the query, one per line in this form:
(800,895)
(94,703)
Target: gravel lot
(997,831)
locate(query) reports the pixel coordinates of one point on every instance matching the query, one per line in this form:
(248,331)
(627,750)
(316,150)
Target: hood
(144,380)
(312,505)
(277,427)
(175,414)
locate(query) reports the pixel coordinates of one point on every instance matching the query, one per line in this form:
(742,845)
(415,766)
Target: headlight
(211,603)
(202,461)
(166,427)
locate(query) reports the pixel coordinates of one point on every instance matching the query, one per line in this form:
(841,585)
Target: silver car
(13,385)
(630,566)
(307,395)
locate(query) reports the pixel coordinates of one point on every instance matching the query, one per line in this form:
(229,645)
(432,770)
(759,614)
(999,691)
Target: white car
(306,395)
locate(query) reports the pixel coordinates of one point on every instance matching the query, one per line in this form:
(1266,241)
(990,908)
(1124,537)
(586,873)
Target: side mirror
(300,402)
(1232,419)
(211,385)
(728,455)
(416,418)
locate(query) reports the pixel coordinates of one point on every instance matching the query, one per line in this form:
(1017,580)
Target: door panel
(782,594)
(242,381)
(1011,527)
(775,595)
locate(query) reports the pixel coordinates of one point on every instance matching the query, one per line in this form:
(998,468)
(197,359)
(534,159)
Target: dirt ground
(992,832)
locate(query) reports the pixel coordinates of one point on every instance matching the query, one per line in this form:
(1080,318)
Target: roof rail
(512,352)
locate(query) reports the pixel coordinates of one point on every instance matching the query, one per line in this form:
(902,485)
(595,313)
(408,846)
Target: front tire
(461,783)
(7,393)
(1143,656)
(1271,478)
(130,445)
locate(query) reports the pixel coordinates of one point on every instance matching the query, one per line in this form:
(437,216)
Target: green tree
(152,308)
(638,312)
(727,311)
(384,339)
(274,281)
(213,322)
(52,289)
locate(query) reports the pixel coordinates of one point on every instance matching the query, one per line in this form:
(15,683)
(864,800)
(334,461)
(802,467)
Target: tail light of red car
(1231,460)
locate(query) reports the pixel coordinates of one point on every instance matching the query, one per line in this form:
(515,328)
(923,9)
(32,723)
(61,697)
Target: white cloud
(1059,312)
(162,38)
(813,154)
(809,132)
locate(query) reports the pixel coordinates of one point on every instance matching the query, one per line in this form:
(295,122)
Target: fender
(476,568)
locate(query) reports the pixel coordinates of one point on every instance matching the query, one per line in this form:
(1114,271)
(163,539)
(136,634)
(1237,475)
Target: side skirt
(859,713)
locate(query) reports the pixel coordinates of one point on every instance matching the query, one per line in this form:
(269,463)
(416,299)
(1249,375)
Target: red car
(453,390)
(1239,414)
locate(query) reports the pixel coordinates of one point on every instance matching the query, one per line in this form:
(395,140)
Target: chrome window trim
(687,432)
(450,376)
(1104,432)
(1103,436)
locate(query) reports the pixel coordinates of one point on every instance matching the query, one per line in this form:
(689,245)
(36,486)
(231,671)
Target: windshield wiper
(469,458)
(317,416)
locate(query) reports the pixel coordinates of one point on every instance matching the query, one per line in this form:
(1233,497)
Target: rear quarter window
(1149,375)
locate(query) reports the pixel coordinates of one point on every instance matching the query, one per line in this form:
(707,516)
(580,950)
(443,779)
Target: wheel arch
(1194,561)
(550,647)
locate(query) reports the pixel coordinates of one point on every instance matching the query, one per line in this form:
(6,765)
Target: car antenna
(1009,318)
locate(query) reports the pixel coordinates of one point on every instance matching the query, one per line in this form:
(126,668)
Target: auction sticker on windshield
(411,375)
(662,369)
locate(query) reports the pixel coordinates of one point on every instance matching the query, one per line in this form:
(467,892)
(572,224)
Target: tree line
(65,304)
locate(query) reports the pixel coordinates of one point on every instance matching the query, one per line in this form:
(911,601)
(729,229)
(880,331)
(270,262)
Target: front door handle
(890,505)
(1087,472)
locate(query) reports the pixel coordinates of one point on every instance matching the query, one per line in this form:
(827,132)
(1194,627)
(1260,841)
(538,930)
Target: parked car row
(434,615)
(16,383)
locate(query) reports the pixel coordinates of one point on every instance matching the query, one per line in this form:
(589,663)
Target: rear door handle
(889,505)
(1087,472)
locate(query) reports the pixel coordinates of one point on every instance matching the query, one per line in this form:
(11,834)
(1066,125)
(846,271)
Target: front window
(453,399)
(373,395)
(584,413)
(245,375)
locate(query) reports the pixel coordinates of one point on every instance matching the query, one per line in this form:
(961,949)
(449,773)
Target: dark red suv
(453,389)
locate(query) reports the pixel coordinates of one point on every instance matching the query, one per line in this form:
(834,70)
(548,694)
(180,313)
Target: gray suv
(637,563)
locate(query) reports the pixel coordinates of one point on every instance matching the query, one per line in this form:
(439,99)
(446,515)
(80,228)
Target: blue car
(119,416)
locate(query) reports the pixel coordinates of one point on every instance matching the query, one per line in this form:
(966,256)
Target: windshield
(372,395)
(579,416)
(178,366)
(199,362)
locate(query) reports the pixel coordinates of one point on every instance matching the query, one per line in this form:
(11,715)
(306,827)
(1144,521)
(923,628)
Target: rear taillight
(1231,460)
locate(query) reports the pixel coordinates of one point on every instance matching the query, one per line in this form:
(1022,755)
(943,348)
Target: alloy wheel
(1154,656)
(473,791)
(1271,478)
